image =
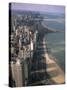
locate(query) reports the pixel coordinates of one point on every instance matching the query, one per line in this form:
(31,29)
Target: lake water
(56,45)
(56,42)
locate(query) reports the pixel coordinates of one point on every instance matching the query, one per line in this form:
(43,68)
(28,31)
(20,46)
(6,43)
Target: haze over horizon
(38,7)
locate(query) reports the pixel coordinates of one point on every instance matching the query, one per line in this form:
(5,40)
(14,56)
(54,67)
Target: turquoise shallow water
(56,45)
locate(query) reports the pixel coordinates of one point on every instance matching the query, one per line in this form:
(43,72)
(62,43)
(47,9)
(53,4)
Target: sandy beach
(53,69)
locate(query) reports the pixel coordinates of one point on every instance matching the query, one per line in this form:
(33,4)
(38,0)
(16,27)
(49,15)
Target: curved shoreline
(53,69)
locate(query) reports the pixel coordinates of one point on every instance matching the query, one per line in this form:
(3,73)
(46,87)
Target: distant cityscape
(29,61)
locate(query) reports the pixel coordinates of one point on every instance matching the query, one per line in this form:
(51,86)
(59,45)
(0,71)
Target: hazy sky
(38,7)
